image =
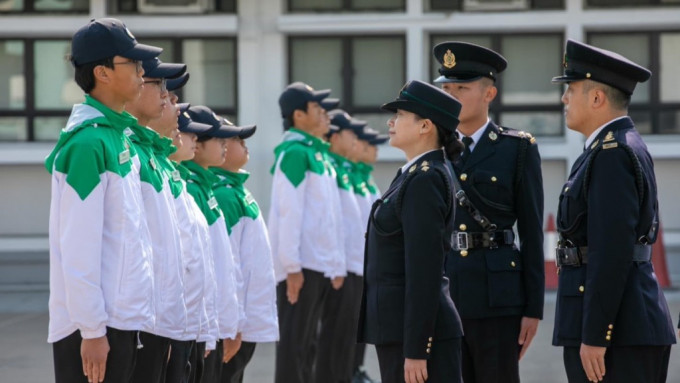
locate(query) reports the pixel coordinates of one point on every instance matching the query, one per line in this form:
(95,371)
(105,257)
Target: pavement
(26,357)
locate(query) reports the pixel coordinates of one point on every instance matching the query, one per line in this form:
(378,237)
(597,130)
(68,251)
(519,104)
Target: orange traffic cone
(549,245)
(659,260)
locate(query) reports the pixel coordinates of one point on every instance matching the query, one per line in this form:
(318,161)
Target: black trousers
(152,358)
(197,362)
(490,350)
(338,333)
(212,365)
(232,372)
(442,367)
(298,328)
(120,361)
(179,364)
(632,364)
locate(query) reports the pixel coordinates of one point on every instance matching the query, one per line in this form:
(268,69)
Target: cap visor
(565,78)
(247,131)
(319,95)
(167,70)
(141,52)
(444,79)
(183,106)
(176,83)
(195,127)
(397,104)
(225,131)
(330,103)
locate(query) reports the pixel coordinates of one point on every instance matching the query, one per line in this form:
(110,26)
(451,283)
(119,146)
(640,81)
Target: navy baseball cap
(155,68)
(367,134)
(220,126)
(465,62)
(329,103)
(297,95)
(186,124)
(108,37)
(343,120)
(427,101)
(586,62)
(379,139)
(173,84)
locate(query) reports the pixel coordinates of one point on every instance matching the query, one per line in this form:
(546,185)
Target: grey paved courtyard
(25,356)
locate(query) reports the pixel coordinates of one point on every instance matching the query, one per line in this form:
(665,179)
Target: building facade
(242,53)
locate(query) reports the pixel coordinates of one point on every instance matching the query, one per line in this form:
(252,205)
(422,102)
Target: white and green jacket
(365,188)
(229,310)
(159,205)
(100,254)
(199,271)
(250,245)
(305,225)
(354,227)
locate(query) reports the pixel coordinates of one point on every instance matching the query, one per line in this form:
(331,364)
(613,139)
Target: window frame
(650,3)
(29,7)
(497,108)
(346,6)
(30,111)
(347,69)
(654,106)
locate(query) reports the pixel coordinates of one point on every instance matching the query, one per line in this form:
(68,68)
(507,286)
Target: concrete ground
(25,356)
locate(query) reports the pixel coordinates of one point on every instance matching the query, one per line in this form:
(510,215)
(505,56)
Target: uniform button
(463,253)
(566,189)
(611,326)
(463,177)
(462,227)
(429,345)
(609,332)
(494,179)
(581,289)
(608,337)
(427,350)
(512,263)
(429,339)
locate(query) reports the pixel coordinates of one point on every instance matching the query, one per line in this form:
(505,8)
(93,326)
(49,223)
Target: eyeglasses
(161,84)
(138,64)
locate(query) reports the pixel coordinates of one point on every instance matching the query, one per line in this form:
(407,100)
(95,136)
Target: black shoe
(360,376)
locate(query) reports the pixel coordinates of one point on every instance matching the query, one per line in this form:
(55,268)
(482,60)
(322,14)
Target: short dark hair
(84,75)
(618,99)
(288,120)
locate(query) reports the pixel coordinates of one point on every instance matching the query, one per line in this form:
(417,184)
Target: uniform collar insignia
(594,144)
(609,137)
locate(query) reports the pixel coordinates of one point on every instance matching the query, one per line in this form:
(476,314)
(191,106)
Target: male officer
(611,316)
(496,286)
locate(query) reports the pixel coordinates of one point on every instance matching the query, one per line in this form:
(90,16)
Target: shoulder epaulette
(517,134)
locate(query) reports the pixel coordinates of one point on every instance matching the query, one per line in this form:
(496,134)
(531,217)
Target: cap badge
(493,136)
(309,88)
(129,33)
(609,137)
(449,59)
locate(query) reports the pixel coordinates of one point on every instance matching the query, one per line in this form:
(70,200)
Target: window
(527,99)
(364,72)
(36,107)
(51,6)
(492,5)
(345,5)
(625,3)
(655,105)
(182,7)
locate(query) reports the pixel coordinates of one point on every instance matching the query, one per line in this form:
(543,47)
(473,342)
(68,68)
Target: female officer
(406,310)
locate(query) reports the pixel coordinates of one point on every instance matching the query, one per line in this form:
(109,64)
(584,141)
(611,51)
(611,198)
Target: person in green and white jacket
(101,282)
(305,228)
(250,245)
(335,355)
(231,319)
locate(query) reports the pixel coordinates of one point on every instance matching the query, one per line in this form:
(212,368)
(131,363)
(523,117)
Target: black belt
(577,256)
(464,240)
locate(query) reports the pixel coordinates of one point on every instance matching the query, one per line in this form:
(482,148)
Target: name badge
(176,176)
(124,156)
(152,163)
(128,132)
(250,199)
(212,203)
(318,156)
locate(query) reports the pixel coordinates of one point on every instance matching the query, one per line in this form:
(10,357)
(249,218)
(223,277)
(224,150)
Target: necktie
(467,141)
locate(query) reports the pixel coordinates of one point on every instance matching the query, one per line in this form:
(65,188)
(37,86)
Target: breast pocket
(570,302)
(493,188)
(504,278)
(385,218)
(572,208)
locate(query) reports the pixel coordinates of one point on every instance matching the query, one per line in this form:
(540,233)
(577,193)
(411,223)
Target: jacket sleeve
(289,197)
(529,209)
(81,261)
(423,216)
(613,213)
(238,240)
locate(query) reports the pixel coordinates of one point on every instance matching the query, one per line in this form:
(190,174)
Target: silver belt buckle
(462,240)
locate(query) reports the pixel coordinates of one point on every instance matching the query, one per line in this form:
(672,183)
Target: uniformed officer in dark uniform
(497,286)
(406,310)
(611,315)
